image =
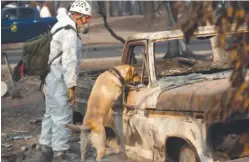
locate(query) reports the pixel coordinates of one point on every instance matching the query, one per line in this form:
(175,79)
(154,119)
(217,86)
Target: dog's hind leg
(98,140)
(83,144)
(100,154)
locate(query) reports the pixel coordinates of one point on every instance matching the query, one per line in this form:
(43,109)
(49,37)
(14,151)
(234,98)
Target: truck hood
(207,95)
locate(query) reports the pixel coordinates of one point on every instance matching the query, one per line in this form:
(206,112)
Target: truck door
(136,54)
(135,96)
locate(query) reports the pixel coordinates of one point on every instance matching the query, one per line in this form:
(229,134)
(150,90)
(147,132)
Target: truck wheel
(187,154)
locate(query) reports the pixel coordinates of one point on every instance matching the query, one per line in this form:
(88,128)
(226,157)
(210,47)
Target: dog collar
(117,74)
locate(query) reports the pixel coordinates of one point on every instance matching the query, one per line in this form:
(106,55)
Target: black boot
(60,156)
(46,154)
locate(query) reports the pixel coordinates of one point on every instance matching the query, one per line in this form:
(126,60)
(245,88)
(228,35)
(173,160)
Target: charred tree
(107,8)
(149,13)
(51,7)
(176,48)
(101,8)
(219,54)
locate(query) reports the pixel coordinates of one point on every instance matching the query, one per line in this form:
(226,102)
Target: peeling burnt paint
(193,134)
(154,132)
(143,98)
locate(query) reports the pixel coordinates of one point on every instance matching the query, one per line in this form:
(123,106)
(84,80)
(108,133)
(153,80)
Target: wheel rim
(187,155)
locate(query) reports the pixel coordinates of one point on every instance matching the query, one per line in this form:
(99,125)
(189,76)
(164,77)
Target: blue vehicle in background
(22,23)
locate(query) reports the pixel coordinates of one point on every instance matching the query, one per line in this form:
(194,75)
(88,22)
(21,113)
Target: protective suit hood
(63,20)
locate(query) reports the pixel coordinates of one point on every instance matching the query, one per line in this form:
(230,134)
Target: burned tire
(187,154)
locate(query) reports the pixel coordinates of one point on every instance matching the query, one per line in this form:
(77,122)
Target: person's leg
(46,135)
(61,114)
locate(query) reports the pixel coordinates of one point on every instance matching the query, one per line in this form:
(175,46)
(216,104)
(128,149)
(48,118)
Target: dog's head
(129,73)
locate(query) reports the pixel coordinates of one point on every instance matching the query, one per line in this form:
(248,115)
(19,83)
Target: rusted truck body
(167,116)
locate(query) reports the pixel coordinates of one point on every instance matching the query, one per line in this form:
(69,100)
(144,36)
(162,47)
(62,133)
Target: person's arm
(69,58)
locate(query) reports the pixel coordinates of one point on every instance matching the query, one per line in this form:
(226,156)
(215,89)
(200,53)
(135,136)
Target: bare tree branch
(102,13)
(158,7)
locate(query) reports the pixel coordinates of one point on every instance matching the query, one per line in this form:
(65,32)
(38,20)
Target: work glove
(71,95)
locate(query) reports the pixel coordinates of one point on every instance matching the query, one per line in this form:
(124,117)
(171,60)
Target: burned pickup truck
(167,116)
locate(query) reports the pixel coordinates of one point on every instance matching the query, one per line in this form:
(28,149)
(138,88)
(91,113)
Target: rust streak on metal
(193,134)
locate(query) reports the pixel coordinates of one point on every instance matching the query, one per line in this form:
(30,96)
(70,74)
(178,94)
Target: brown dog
(106,90)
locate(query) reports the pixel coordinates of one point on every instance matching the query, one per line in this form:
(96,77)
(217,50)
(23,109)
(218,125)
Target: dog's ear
(130,73)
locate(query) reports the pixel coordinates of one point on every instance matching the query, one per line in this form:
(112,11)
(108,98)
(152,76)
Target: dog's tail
(77,127)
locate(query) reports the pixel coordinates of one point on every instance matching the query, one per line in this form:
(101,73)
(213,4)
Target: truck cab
(176,113)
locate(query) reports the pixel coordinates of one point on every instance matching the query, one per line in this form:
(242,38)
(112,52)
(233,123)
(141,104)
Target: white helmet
(82,7)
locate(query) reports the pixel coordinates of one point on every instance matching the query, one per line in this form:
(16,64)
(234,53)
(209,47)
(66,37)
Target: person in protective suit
(60,83)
